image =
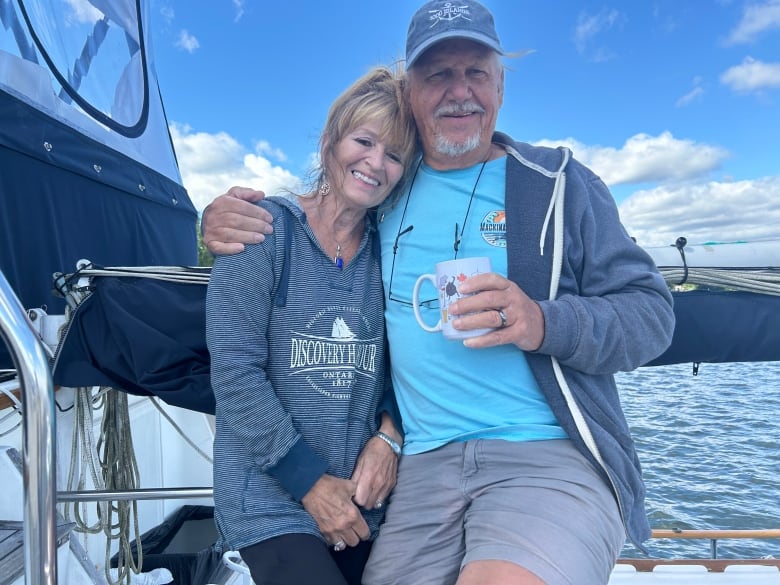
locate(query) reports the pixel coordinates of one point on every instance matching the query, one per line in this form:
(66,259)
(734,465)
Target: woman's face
(363,168)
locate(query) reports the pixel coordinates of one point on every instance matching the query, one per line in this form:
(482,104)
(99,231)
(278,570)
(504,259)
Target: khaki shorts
(537,504)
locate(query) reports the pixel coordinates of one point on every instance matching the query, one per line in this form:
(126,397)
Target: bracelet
(390,441)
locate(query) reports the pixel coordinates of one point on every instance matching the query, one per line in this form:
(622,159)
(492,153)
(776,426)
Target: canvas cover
(88,167)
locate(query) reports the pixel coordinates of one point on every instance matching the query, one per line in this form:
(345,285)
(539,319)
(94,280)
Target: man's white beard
(453,149)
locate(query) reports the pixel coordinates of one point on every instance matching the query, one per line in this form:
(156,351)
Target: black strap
(280,295)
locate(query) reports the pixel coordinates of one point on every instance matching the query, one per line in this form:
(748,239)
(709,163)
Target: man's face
(456,89)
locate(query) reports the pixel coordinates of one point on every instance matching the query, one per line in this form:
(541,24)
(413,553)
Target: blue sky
(675,104)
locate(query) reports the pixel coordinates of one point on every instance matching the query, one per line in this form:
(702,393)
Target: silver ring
(379,504)
(339,546)
(503,317)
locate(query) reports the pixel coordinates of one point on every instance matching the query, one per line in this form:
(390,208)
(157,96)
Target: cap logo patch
(448,12)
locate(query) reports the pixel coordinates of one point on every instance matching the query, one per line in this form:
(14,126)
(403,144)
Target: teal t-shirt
(447,392)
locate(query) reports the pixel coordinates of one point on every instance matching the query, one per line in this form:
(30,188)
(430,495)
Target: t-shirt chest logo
(493,228)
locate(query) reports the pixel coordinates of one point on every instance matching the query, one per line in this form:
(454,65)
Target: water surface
(710,450)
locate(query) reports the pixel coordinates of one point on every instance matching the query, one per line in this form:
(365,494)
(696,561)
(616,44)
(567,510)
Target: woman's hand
(330,502)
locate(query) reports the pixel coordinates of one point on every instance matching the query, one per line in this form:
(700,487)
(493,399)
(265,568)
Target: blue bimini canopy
(87,167)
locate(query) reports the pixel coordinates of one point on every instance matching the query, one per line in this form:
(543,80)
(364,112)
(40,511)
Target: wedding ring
(503,317)
(340,546)
(379,504)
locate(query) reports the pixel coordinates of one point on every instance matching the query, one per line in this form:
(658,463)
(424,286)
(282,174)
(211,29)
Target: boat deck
(12,548)
(11,552)
(697,572)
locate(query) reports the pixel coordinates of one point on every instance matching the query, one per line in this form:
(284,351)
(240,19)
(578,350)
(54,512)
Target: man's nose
(459,87)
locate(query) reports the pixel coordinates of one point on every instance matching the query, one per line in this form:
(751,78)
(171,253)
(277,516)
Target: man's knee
(497,573)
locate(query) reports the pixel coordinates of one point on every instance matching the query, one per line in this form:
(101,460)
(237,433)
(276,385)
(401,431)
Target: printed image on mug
(448,277)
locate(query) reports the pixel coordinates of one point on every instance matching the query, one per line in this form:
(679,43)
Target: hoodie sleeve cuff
(561,328)
(299,470)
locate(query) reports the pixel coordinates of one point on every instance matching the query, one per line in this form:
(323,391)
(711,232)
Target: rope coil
(110,463)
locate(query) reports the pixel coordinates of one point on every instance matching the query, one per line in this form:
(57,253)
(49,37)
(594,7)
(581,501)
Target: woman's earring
(324,188)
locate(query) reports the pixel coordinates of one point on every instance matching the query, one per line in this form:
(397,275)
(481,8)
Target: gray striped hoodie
(298,370)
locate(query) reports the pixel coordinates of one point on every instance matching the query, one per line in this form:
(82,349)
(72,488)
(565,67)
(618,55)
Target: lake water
(710,451)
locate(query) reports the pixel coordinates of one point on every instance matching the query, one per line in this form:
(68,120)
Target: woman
(306,450)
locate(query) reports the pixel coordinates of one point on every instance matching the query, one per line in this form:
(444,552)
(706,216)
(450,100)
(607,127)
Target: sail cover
(87,167)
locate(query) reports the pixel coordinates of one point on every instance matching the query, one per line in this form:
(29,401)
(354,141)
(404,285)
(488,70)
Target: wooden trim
(712,565)
(6,402)
(717,534)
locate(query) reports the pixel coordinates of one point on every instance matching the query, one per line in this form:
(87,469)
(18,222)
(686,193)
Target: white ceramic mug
(447,279)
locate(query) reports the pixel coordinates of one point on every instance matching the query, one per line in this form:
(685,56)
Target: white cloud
(756,19)
(590,26)
(700,211)
(644,158)
(82,11)
(694,95)
(168,14)
(187,42)
(703,212)
(690,97)
(752,75)
(212,163)
(239,6)
(263,147)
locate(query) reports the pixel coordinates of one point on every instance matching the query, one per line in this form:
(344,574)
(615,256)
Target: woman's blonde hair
(378,97)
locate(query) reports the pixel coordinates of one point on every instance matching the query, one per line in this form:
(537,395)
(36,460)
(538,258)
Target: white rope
(192,275)
(764,281)
(761,281)
(120,470)
(111,465)
(180,431)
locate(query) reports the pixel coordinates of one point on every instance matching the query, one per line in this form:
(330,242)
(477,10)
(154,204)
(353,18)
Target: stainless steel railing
(137,494)
(39,447)
(38,439)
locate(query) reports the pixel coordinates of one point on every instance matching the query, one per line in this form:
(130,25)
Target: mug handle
(416,303)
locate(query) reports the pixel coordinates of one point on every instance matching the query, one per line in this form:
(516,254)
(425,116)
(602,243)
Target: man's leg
(497,573)
(421,540)
(541,507)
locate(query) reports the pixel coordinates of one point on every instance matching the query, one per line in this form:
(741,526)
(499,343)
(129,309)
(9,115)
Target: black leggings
(303,559)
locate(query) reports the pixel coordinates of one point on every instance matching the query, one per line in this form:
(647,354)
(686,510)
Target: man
(518,464)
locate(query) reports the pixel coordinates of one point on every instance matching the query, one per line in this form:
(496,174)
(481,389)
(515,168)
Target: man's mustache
(459,109)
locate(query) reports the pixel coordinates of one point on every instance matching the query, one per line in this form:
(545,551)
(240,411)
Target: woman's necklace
(342,248)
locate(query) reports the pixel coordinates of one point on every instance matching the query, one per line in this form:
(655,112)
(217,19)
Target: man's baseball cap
(439,20)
